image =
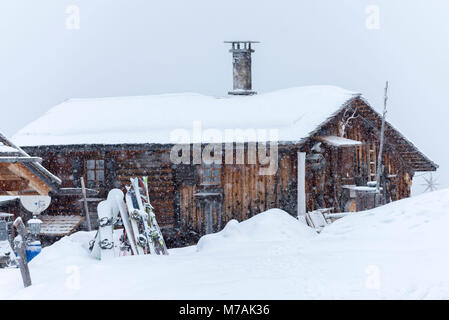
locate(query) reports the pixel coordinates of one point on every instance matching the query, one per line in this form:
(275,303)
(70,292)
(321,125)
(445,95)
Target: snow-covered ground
(396,251)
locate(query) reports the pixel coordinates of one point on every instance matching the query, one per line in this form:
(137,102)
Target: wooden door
(209,207)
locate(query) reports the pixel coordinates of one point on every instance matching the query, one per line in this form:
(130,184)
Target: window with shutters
(94,173)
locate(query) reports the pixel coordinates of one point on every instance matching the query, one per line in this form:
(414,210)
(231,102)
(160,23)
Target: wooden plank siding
(354,165)
(69,166)
(157,166)
(245,193)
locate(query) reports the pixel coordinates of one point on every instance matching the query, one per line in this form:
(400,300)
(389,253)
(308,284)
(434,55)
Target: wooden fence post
(20,247)
(86,208)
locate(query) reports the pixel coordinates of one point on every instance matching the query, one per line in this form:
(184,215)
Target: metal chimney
(241,57)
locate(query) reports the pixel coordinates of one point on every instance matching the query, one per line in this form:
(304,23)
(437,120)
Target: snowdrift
(398,251)
(416,223)
(270,226)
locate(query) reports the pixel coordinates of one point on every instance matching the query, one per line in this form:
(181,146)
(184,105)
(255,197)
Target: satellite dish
(35,204)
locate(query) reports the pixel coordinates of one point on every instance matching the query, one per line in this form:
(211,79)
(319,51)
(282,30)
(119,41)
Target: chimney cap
(241,46)
(241,41)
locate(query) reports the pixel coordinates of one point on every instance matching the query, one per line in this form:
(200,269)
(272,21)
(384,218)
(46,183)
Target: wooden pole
(382,133)
(86,208)
(19,246)
(301,184)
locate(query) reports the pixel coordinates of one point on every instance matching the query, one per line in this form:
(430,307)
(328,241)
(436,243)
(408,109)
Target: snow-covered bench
(59,226)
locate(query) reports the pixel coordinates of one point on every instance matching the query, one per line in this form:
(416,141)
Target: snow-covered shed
(109,140)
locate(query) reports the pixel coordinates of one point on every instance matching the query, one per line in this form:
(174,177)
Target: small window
(210,174)
(95,173)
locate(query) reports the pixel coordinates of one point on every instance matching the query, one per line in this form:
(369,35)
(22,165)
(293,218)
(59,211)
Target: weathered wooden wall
(355,165)
(157,166)
(120,166)
(242,193)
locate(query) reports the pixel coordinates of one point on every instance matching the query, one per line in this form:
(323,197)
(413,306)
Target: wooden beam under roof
(19,159)
(34,182)
(13,185)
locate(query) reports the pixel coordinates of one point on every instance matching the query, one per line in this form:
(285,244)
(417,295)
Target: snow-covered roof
(8,198)
(339,141)
(4,149)
(293,112)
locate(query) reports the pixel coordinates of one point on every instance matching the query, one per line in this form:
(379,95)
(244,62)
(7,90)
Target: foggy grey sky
(138,47)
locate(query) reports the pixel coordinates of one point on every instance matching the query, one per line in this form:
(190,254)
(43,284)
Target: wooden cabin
(107,141)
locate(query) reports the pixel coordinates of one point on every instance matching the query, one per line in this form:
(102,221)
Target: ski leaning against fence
(140,233)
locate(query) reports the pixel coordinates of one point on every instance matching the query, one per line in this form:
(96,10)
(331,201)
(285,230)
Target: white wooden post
(301,184)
